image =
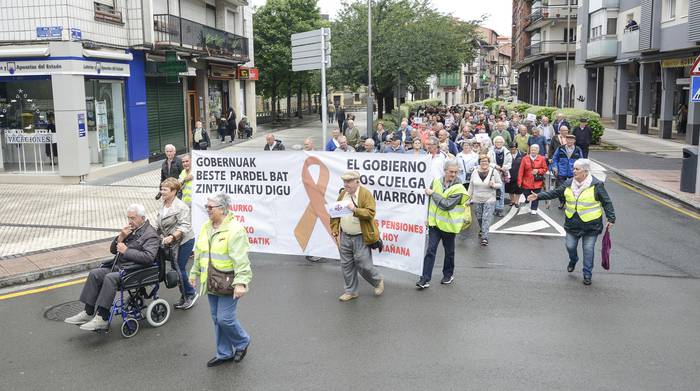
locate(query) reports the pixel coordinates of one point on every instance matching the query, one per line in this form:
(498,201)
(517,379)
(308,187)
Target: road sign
(695,89)
(695,69)
(312,50)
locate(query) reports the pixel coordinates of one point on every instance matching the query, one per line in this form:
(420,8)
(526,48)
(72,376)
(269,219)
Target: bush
(574,115)
(541,111)
(414,105)
(488,102)
(520,107)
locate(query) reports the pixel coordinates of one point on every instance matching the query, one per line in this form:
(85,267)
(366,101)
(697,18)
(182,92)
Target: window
(683,8)
(569,35)
(105,11)
(356,98)
(211,16)
(612,26)
(669,9)
(596,32)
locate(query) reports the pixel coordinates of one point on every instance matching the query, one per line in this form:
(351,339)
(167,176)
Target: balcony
(601,48)
(171,30)
(552,11)
(595,5)
(630,40)
(545,48)
(449,80)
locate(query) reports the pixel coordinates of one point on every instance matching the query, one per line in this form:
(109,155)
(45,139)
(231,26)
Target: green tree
(273,26)
(410,42)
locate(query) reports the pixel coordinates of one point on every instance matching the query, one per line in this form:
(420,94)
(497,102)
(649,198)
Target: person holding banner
(333,142)
(356,233)
(220,257)
(185,180)
(445,218)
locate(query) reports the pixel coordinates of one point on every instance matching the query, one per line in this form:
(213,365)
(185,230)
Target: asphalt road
(513,320)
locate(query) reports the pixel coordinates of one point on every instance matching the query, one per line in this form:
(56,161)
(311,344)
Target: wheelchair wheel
(130,327)
(158,312)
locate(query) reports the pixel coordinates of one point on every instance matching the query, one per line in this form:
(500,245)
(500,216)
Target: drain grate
(62,311)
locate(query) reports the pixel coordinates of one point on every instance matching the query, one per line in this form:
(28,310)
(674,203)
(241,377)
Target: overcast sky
(499,11)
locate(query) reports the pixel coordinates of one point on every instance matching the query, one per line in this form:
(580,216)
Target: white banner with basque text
(282,198)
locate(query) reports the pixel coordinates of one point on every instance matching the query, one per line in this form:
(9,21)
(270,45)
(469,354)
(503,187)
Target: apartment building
(631,63)
(544,50)
(489,75)
(634,61)
(89,84)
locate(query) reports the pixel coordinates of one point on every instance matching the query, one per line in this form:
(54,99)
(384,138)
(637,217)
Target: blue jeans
(183,254)
(588,245)
(500,200)
(448,243)
(229,333)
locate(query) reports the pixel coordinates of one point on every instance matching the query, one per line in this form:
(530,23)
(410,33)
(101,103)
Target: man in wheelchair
(135,247)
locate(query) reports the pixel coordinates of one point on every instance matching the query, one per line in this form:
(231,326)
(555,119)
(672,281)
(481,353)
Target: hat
(350,175)
(583,119)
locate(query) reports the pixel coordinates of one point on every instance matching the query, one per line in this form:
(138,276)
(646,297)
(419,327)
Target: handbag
(219,282)
(203,145)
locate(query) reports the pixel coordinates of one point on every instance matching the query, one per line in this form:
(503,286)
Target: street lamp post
(565,100)
(370,103)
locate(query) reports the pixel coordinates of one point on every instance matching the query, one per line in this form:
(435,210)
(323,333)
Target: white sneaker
(533,212)
(97,323)
(81,318)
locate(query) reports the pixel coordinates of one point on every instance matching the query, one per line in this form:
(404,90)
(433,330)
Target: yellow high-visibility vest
(447,220)
(587,207)
(186,188)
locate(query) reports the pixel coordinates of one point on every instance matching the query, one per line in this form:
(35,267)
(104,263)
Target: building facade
(632,60)
(544,51)
(487,76)
(87,85)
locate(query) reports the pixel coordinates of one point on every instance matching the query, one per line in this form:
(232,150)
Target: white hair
(495,139)
(222,200)
(137,208)
(450,163)
(170,146)
(583,164)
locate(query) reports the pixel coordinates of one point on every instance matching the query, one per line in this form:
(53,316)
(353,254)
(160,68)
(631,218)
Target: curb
(650,186)
(52,272)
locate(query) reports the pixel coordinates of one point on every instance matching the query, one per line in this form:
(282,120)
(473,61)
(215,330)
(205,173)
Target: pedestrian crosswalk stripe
(518,221)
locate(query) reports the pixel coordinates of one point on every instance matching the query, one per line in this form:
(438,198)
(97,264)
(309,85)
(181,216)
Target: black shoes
(238,356)
(422,284)
(447,280)
(180,303)
(561,206)
(586,281)
(218,361)
(570,268)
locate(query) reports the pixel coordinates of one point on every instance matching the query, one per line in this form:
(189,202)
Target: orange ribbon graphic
(317,201)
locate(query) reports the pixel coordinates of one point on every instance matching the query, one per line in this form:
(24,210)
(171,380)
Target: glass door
(106,121)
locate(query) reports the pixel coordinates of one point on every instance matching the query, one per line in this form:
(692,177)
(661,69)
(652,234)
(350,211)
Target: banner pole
(324,99)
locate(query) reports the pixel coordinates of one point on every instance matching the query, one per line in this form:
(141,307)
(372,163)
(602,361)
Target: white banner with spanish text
(282,199)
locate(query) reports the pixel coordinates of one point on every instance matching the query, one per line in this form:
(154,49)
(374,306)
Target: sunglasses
(209,207)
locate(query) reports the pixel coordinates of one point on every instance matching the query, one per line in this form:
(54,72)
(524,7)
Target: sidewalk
(647,161)
(51,230)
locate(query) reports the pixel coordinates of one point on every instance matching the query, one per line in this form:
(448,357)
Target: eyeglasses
(210,207)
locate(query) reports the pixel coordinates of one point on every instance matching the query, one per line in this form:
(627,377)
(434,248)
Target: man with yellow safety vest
(185,180)
(586,200)
(445,217)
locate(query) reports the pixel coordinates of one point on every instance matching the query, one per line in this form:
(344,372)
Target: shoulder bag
(219,282)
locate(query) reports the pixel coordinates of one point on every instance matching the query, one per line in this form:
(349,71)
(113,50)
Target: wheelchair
(136,287)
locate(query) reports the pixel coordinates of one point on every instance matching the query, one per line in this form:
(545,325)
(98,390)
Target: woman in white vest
(586,202)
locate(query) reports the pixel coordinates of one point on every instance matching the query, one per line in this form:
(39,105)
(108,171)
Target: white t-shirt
(437,167)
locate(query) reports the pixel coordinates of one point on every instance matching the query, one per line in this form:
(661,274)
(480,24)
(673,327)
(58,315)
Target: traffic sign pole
(324,104)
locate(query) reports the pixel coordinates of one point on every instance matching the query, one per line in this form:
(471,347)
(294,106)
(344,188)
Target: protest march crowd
(477,158)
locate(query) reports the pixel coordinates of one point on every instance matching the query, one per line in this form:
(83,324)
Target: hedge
(572,115)
(414,105)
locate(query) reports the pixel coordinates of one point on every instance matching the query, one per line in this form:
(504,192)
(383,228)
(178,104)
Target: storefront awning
(24,51)
(108,54)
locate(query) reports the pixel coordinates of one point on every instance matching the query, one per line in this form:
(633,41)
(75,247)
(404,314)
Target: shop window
(106,11)
(27,126)
(106,121)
